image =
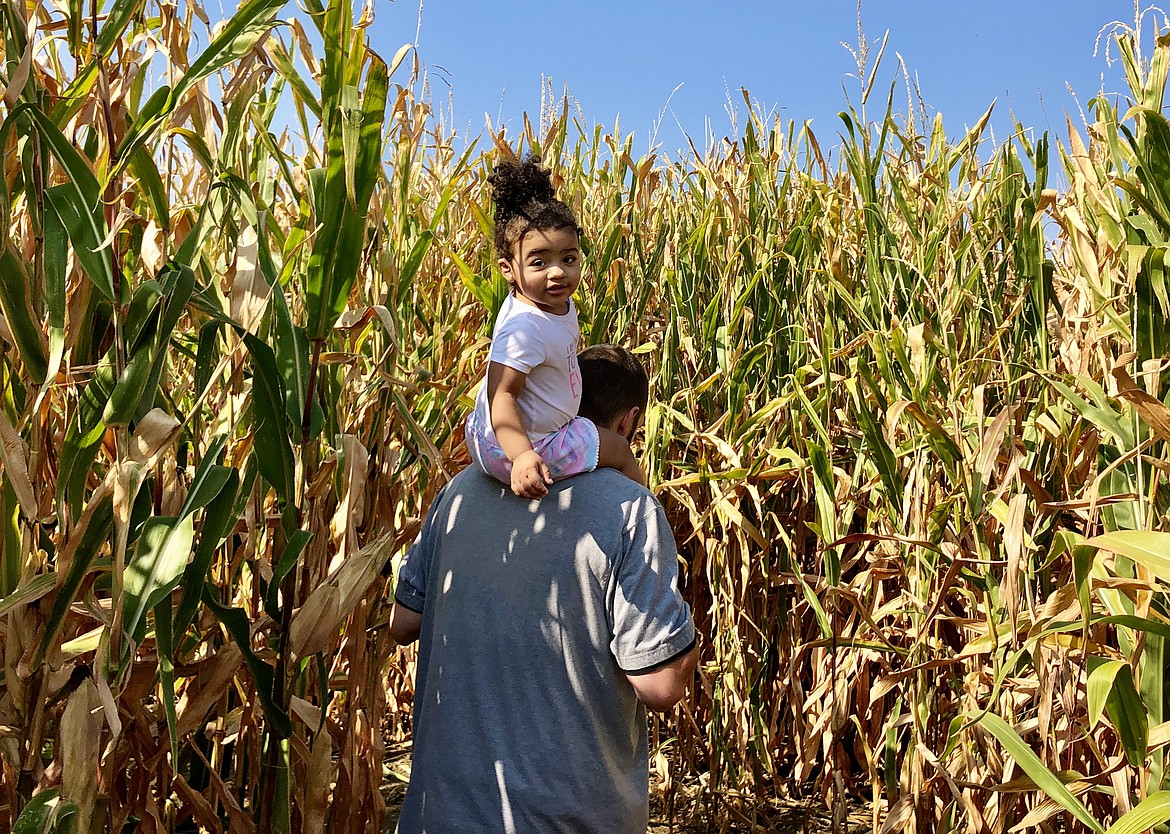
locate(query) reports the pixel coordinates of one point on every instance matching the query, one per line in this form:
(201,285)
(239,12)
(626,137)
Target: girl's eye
(537,262)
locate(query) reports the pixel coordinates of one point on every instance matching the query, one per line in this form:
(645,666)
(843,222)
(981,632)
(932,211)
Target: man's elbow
(405,625)
(661,689)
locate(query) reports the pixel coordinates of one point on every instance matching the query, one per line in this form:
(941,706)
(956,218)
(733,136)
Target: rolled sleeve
(652,624)
(410,591)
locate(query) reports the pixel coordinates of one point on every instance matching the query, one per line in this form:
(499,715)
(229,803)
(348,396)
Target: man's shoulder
(600,489)
(472,479)
(607,486)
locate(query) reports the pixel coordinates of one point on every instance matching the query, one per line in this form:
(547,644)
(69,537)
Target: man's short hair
(612,381)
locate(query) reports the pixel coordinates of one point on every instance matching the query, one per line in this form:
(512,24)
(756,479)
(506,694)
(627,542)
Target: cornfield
(910,424)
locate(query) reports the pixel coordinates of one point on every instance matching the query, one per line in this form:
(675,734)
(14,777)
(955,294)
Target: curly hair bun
(526,200)
(519,187)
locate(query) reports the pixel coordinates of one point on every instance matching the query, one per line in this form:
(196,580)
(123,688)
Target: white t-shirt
(543,346)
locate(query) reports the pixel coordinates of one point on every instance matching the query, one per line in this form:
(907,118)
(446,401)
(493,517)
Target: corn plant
(909,423)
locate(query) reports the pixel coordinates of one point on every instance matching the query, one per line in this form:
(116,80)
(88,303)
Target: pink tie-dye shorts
(571,450)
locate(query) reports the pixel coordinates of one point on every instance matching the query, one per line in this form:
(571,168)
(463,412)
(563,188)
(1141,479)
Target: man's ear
(627,422)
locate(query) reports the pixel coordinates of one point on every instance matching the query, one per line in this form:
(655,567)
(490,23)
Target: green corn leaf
(14,303)
(78,202)
(1100,684)
(117,17)
(209,478)
(293,549)
(141,318)
(1154,628)
(145,172)
(825,487)
(1030,763)
(272,448)
(56,253)
(291,346)
(236,622)
(163,636)
(1153,150)
(410,267)
(160,556)
(880,453)
(218,520)
(235,40)
(336,31)
(91,533)
(208,482)
(83,435)
(29,591)
(131,388)
(1149,813)
(11,561)
(1152,685)
(206,355)
(350,122)
(1129,717)
(1152,306)
(337,248)
(287,69)
(1103,418)
(1149,549)
(178,284)
(282,803)
(38,813)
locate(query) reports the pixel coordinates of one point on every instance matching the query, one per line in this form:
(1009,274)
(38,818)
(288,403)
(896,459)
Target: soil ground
(791,817)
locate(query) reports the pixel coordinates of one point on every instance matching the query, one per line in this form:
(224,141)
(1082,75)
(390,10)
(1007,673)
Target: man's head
(614,388)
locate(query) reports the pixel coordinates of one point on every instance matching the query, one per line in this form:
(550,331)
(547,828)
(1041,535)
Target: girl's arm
(529,472)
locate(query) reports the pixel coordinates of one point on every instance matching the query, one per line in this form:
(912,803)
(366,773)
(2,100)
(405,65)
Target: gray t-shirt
(532,611)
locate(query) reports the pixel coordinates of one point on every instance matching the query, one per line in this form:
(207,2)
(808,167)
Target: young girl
(524,430)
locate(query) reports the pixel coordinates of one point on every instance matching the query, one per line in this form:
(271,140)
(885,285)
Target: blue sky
(650,60)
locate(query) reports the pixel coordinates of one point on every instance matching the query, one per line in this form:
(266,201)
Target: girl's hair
(526,200)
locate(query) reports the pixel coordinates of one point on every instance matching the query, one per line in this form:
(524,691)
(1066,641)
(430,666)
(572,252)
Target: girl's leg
(614,453)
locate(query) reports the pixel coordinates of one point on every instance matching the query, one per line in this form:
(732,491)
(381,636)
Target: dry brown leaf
(153,434)
(207,688)
(989,447)
(153,256)
(241,823)
(316,625)
(249,290)
(351,507)
(1159,736)
(318,780)
(81,736)
(1013,546)
(900,816)
(14,454)
(20,74)
(1152,411)
(201,809)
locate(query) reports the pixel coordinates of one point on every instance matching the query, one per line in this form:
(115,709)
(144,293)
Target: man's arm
(405,625)
(654,639)
(662,688)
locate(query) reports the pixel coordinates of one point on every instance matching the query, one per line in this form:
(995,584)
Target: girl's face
(546,268)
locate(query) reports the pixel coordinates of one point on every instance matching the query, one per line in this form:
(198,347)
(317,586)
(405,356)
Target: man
(546,628)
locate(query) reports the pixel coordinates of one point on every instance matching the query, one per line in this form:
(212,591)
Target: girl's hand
(530,475)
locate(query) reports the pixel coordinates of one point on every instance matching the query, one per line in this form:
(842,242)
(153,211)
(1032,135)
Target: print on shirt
(574,372)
